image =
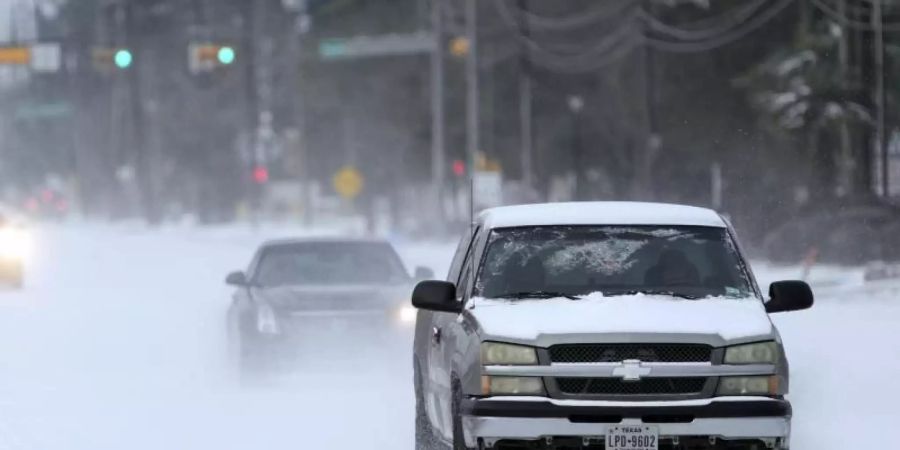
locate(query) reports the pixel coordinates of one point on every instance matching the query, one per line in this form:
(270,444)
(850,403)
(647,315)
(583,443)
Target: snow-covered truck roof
(599,213)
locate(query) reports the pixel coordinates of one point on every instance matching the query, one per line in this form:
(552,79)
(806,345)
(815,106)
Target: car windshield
(567,261)
(329,263)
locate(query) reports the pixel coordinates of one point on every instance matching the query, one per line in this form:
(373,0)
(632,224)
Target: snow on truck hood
(529,319)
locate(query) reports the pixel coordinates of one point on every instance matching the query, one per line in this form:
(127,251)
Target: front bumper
(489,421)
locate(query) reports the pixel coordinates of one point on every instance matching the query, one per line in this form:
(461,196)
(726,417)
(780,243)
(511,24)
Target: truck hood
(717,321)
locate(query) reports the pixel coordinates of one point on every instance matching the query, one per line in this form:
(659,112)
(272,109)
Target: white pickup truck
(616,326)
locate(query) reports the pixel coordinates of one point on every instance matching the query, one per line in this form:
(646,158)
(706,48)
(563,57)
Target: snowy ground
(116,342)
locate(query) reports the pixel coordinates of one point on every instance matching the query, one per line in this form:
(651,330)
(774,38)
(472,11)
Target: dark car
(309,295)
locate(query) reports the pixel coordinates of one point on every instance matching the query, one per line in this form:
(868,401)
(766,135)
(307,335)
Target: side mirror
(789,296)
(236,279)
(423,273)
(436,296)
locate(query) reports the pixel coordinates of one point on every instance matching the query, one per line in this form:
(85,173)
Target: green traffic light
(123,59)
(226,55)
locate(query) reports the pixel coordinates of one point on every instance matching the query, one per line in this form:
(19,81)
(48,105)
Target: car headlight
(14,243)
(748,386)
(407,314)
(267,321)
(496,353)
(759,353)
(512,385)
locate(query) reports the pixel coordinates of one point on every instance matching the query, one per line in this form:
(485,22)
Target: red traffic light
(459,167)
(260,175)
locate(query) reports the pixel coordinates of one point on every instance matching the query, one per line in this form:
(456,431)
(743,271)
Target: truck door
(440,346)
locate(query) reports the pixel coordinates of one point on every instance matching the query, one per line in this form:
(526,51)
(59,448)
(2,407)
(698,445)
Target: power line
(593,65)
(576,20)
(609,44)
(722,23)
(621,41)
(724,39)
(848,22)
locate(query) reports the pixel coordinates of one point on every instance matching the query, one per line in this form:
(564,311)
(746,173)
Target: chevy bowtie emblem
(631,370)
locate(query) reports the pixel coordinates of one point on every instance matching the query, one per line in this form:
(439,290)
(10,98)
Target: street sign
(371,46)
(46,57)
(41,57)
(348,182)
(40,111)
(19,56)
(487,189)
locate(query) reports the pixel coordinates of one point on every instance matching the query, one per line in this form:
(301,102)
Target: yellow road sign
(348,182)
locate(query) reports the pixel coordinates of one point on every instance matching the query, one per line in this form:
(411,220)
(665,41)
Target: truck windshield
(571,261)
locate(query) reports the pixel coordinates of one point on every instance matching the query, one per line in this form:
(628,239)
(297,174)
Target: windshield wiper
(538,294)
(654,292)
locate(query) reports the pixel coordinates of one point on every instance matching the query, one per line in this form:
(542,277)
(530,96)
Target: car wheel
(459,441)
(252,354)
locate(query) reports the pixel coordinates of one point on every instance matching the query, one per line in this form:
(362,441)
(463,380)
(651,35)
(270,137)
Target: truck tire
(459,441)
(425,437)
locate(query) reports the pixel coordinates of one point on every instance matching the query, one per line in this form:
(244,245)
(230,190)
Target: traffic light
(208,57)
(459,47)
(260,175)
(459,167)
(123,58)
(226,55)
(109,59)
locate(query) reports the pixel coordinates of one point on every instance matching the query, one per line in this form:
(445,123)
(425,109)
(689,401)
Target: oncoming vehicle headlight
(748,386)
(759,353)
(267,321)
(407,314)
(499,354)
(511,385)
(14,243)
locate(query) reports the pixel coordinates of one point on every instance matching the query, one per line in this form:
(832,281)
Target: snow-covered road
(117,342)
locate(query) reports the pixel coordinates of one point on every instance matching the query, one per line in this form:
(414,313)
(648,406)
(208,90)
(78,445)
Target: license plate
(632,438)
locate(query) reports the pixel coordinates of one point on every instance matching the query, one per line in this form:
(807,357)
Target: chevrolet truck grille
(598,353)
(646,386)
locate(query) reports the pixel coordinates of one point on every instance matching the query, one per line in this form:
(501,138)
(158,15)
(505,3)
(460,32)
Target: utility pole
(438,132)
(653,141)
(846,163)
(251,97)
(880,140)
(525,105)
(143,163)
(472,93)
(299,28)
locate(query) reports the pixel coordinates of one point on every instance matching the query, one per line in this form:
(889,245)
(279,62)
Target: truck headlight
(759,353)
(748,386)
(512,386)
(496,353)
